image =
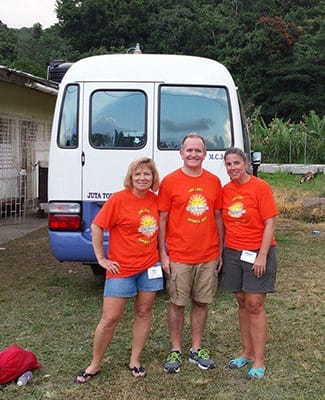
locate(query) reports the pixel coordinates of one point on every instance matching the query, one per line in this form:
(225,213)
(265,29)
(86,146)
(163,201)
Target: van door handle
(82,159)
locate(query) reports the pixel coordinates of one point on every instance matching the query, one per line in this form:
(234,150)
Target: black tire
(99,273)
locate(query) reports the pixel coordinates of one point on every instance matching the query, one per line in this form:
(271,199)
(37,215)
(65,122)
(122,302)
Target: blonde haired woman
(132,263)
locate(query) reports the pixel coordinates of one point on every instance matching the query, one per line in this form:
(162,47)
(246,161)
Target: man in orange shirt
(190,239)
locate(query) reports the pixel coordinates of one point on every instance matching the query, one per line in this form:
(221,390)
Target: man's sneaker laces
(173,362)
(201,358)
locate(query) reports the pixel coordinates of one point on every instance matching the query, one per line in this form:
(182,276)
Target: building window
(6,149)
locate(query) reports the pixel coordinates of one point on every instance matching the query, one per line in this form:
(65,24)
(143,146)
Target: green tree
(8,45)
(91,24)
(37,31)
(273,49)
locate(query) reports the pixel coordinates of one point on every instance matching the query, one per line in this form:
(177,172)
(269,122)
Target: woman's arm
(259,266)
(97,239)
(221,234)
(164,259)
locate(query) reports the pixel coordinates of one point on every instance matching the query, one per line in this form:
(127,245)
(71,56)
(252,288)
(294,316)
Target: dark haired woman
(249,257)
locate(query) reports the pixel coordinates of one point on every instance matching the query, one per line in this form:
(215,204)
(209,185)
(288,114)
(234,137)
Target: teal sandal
(238,362)
(256,373)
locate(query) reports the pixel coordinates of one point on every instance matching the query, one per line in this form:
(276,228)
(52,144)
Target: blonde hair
(144,161)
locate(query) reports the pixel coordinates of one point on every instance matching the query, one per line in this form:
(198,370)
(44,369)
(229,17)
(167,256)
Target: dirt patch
(314,201)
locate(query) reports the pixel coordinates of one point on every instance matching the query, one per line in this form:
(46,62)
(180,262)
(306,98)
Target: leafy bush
(286,142)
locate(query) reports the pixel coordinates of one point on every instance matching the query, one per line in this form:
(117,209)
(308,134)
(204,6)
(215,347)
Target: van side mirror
(256,157)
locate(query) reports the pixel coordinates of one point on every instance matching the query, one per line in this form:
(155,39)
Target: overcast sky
(22,13)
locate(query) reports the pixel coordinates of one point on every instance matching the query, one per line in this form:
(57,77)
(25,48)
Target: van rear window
(201,109)
(118,119)
(68,125)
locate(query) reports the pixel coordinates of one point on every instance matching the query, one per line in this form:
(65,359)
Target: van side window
(118,119)
(68,124)
(201,109)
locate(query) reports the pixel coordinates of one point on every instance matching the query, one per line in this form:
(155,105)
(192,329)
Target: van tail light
(64,216)
(59,222)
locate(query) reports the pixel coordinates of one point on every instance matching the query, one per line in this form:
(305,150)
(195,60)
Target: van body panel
(77,246)
(58,175)
(169,69)
(112,109)
(64,175)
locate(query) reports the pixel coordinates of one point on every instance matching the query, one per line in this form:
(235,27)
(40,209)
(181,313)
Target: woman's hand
(165,264)
(219,265)
(111,266)
(259,266)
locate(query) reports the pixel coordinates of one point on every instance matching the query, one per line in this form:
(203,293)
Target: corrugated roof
(28,80)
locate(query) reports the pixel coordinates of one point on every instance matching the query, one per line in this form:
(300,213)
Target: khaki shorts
(192,281)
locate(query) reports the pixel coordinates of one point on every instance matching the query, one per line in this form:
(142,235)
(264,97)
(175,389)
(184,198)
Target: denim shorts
(131,285)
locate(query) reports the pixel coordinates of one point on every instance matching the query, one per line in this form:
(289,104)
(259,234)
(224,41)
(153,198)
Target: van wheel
(99,273)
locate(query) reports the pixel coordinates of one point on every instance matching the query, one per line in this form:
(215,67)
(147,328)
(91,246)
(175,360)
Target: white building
(26,109)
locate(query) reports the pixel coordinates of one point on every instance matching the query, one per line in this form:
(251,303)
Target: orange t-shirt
(245,208)
(191,233)
(133,231)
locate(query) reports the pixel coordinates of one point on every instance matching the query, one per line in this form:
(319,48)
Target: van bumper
(72,246)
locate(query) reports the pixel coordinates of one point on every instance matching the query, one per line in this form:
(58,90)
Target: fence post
(305,149)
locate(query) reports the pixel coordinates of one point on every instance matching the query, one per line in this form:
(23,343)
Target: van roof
(169,69)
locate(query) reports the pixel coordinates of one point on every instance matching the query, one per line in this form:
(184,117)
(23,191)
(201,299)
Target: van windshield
(201,109)
(118,119)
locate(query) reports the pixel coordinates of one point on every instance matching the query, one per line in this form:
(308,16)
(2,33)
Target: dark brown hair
(237,151)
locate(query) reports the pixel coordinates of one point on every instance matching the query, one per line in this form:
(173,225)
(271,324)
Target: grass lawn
(52,309)
(304,202)
(290,183)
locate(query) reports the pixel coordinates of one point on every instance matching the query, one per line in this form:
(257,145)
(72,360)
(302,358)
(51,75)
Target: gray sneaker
(201,358)
(173,362)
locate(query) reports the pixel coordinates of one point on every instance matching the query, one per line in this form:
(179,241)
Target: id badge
(248,256)
(155,272)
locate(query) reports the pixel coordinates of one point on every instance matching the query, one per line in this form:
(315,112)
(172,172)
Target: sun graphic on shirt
(148,225)
(197,205)
(236,210)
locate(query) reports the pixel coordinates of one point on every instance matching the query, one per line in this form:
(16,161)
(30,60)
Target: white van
(112,109)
